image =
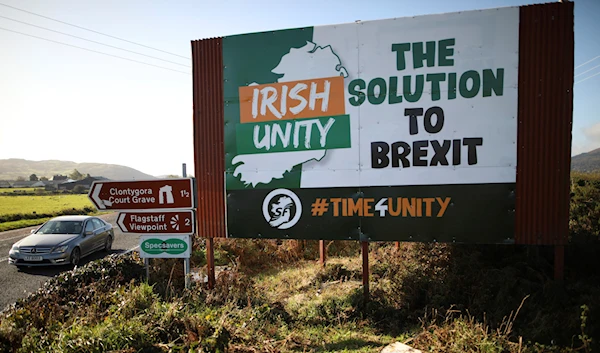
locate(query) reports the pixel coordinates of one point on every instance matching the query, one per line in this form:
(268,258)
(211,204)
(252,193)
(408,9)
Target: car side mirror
(89,232)
(33,231)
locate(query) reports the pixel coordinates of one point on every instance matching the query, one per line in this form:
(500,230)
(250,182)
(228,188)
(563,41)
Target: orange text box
(292,100)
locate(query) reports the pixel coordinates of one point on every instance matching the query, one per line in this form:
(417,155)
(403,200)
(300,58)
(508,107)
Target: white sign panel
(429,100)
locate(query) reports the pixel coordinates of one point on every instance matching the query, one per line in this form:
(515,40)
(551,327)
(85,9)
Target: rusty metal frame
(545,116)
(207,58)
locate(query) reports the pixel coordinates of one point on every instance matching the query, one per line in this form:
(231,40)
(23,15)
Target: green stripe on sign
(294,135)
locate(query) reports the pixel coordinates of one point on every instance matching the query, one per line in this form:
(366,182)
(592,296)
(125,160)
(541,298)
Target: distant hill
(12,168)
(586,162)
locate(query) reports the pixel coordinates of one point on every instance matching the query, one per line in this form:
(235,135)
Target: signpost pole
(186,261)
(147,265)
(186,267)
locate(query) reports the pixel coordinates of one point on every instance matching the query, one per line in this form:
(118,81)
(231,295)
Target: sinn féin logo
(282,208)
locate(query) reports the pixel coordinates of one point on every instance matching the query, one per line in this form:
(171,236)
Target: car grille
(30,250)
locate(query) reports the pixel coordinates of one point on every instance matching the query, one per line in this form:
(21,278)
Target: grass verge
(23,223)
(299,306)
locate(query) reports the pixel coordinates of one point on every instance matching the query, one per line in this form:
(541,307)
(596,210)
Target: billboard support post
(210,262)
(322,252)
(365,274)
(559,262)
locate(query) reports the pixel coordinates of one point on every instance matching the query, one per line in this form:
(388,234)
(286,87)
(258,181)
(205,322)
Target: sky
(64,103)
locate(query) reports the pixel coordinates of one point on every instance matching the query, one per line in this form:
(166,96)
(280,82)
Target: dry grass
(280,284)
(300,307)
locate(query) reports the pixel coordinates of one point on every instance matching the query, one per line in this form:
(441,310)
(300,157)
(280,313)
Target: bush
(70,211)
(255,255)
(79,189)
(81,294)
(584,221)
(487,282)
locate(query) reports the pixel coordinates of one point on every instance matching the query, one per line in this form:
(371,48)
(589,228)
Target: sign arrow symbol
(96,196)
(121,223)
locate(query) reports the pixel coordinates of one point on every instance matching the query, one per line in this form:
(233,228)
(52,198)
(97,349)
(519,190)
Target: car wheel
(108,244)
(75,256)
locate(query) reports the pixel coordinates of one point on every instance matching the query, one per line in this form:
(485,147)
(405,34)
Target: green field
(29,210)
(42,204)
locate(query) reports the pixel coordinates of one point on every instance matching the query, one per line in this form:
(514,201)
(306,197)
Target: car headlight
(61,249)
(14,249)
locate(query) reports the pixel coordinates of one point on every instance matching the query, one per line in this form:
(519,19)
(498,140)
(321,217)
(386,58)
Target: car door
(100,233)
(87,243)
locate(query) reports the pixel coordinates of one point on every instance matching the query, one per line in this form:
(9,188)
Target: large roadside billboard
(453,128)
(399,129)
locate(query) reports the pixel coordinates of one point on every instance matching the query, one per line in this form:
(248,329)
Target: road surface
(17,283)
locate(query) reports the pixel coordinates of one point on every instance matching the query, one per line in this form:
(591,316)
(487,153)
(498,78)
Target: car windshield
(61,227)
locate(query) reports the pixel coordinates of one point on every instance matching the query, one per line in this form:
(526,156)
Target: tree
(79,189)
(33,177)
(76,175)
(20,178)
(43,178)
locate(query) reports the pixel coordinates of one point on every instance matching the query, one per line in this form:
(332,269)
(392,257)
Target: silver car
(62,240)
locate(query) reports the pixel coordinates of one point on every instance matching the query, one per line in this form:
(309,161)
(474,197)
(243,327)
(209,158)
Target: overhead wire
(587,78)
(94,51)
(93,41)
(587,62)
(91,30)
(586,71)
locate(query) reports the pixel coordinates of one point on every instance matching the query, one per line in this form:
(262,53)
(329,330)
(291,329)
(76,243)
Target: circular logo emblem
(282,208)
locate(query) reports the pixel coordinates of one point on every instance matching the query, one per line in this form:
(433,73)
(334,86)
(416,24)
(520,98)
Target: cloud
(591,141)
(592,133)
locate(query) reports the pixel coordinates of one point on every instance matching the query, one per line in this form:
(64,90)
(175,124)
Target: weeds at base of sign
(167,277)
(255,255)
(107,305)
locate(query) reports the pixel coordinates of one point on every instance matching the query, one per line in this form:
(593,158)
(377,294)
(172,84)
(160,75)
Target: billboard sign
(399,129)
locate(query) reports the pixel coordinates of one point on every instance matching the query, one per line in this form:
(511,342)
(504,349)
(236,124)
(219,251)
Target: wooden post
(322,252)
(365,274)
(210,262)
(559,262)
